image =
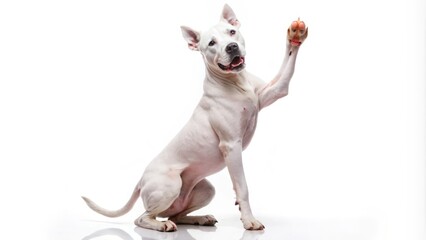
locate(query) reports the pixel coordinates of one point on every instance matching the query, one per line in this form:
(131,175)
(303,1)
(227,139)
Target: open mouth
(236,64)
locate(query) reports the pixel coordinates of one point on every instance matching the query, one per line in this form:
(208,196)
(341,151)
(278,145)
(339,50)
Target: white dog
(221,127)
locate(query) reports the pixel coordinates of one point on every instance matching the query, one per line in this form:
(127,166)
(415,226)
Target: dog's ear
(229,16)
(191,36)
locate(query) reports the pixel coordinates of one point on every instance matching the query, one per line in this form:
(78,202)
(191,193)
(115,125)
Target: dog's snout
(232,48)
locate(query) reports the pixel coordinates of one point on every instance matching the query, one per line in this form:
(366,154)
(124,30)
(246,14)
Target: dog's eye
(232,32)
(211,43)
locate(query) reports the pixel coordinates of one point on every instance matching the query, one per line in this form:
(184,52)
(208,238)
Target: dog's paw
(252,224)
(207,220)
(150,222)
(297,33)
(167,226)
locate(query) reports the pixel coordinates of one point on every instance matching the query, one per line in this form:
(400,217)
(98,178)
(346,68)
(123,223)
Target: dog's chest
(249,108)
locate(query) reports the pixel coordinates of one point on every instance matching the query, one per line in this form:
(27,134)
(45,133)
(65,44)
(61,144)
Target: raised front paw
(252,224)
(297,32)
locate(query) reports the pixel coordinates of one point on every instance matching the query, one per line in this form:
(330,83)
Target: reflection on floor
(182,233)
(294,229)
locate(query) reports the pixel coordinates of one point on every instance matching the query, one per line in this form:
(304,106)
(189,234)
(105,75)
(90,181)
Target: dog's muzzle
(237,62)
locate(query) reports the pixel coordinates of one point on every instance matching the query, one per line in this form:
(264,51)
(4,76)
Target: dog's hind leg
(199,197)
(158,194)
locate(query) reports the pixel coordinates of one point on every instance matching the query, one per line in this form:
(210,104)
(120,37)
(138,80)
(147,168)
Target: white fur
(221,127)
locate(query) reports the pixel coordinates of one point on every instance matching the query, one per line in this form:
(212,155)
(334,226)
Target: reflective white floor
(228,228)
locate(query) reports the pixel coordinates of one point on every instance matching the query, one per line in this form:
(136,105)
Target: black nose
(232,48)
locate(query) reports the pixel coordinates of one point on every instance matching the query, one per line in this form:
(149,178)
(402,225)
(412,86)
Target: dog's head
(222,46)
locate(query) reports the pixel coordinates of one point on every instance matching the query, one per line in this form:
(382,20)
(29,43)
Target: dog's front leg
(278,87)
(232,152)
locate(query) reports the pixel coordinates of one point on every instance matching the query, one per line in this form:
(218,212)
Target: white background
(91,91)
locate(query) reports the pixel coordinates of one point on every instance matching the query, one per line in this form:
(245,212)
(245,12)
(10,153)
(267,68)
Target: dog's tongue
(237,61)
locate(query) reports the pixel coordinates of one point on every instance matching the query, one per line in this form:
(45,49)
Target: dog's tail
(115,213)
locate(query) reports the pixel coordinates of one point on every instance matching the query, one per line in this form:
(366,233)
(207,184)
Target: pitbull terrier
(223,123)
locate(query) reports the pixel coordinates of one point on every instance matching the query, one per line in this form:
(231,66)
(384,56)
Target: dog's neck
(227,80)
